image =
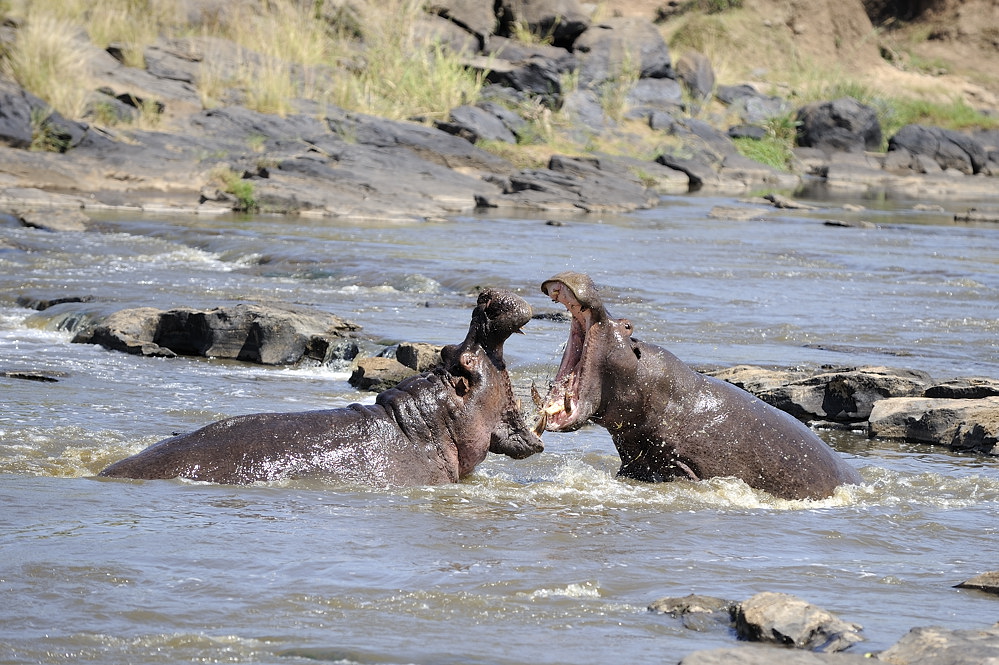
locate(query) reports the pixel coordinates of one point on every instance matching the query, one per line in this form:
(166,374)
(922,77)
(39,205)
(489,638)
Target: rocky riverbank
(334,163)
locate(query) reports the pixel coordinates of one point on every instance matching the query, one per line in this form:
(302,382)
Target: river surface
(551,559)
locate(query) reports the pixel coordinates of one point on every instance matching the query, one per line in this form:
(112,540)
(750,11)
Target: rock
(695,71)
(947,148)
(561,21)
(40,304)
(41,376)
(963,424)
(16,107)
(418,355)
(759,379)
(840,125)
(474,123)
(932,645)
(789,620)
(697,612)
(845,395)
(479,18)
(379,374)
(754,132)
(574,184)
(620,47)
(660,94)
(763,655)
(265,334)
(56,219)
(536,75)
(129,330)
(988,582)
(968,388)
(978,215)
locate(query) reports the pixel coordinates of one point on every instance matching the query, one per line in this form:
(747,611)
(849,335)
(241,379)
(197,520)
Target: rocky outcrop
(965,425)
(265,334)
(890,403)
(931,645)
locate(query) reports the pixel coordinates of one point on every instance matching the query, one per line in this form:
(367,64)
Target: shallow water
(546,560)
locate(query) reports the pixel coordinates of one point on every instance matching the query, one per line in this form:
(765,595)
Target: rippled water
(546,560)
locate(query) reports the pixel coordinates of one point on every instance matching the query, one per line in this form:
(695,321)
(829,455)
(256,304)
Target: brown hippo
(430,429)
(668,421)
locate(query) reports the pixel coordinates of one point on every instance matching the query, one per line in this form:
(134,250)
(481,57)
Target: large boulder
(265,334)
(932,645)
(619,47)
(947,148)
(840,125)
(791,621)
(845,395)
(962,424)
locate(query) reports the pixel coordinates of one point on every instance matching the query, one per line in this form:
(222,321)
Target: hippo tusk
(539,427)
(536,396)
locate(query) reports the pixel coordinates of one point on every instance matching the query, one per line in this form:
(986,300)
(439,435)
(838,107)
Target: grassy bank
(376,62)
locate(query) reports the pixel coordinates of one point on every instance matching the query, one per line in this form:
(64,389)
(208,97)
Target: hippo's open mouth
(560,409)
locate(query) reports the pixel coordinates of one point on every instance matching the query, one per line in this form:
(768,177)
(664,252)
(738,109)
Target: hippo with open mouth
(430,429)
(668,421)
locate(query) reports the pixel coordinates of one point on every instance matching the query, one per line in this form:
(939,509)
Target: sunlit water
(546,560)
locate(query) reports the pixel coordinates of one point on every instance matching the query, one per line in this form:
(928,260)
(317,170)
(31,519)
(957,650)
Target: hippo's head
(477,372)
(598,347)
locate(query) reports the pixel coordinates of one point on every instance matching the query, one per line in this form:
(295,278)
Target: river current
(551,559)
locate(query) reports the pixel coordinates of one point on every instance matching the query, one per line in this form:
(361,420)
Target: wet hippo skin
(668,421)
(430,429)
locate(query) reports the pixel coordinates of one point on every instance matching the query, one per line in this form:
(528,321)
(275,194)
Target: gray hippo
(430,429)
(668,421)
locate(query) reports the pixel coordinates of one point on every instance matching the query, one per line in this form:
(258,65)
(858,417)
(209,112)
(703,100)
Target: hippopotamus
(430,429)
(668,421)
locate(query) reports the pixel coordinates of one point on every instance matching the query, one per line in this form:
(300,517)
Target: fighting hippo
(668,421)
(430,429)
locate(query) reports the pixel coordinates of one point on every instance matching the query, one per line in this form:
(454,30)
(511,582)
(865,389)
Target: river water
(546,560)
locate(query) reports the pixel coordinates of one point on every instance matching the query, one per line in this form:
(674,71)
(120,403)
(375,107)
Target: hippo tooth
(536,396)
(539,427)
(553,408)
(567,405)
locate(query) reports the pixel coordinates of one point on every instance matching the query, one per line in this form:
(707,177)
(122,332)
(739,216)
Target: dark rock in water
(978,215)
(41,304)
(932,645)
(697,612)
(42,376)
(265,334)
(840,125)
(985,582)
(379,374)
(789,620)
